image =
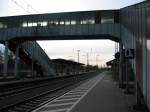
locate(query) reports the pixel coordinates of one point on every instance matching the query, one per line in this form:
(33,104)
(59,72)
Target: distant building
(1,57)
(1,62)
(68,67)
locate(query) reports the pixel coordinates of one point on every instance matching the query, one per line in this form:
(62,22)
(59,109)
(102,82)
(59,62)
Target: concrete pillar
(121,65)
(32,67)
(16,61)
(6,60)
(127,91)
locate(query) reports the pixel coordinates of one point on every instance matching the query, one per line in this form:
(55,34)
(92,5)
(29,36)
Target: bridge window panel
(39,23)
(50,22)
(91,21)
(107,17)
(30,25)
(98,18)
(80,22)
(107,21)
(73,22)
(67,22)
(25,24)
(5,26)
(1,25)
(55,23)
(84,22)
(61,22)
(44,23)
(116,17)
(34,24)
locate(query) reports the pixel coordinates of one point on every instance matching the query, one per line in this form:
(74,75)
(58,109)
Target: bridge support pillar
(32,67)
(16,61)
(6,60)
(121,65)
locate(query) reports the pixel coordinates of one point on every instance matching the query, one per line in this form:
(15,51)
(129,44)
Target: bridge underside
(67,37)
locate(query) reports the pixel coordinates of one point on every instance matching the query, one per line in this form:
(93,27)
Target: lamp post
(97,60)
(78,55)
(87,58)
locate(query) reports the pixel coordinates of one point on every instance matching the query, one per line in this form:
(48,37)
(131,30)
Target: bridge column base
(16,61)
(5,70)
(120,65)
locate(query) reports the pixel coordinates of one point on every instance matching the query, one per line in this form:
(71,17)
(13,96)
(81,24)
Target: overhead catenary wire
(15,2)
(22,7)
(29,5)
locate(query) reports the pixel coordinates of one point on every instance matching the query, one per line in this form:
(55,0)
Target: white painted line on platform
(59,104)
(66,99)
(86,93)
(59,110)
(76,94)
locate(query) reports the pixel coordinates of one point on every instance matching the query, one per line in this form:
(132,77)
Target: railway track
(30,98)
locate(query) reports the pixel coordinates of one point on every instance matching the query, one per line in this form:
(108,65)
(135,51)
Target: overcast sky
(8,7)
(103,49)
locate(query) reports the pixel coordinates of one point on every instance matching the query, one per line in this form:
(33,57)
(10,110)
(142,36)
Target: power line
(87,58)
(29,5)
(15,2)
(78,55)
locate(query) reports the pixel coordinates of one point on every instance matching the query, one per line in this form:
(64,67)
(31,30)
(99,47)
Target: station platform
(99,94)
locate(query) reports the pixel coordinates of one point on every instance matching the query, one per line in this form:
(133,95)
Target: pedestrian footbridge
(130,26)
(19,31)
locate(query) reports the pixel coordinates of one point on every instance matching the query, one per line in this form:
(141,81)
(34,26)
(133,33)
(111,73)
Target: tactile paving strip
(68,101)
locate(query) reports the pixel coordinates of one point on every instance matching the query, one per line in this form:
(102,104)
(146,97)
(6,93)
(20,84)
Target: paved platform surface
(104,97)
(99,94)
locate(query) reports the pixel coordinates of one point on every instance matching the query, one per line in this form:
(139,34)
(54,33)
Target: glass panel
(91,21)
(39,24)
(107,17)
(29,24)
(34,24)
(97,18)
(67,22)
(51,22)
(61,22)
(44,23)
(5,26)
(84,22)
(73,22)
(25,24)
(55,22)
(107,20)
(1,25)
